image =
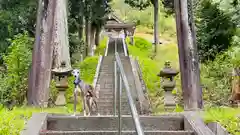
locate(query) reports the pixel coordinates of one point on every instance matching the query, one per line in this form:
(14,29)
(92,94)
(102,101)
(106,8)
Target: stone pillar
(131,35)
(168,84)
(125,33)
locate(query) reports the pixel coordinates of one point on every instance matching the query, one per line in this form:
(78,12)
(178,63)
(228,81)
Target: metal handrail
(134,113)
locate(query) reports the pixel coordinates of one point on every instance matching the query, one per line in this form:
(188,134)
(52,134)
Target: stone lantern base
(61,100)
(169,101)
(169,98)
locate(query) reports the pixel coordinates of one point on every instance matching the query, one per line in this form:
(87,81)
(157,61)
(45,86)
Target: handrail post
(115,45)
(119,105)
(115,88)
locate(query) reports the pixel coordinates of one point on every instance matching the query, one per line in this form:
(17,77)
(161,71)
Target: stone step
(110,106)
(110,111)
(110,101)
(106,91)
(107,63)
(116,133)
(125,107)
(105,81)
(107,70)
(105,112)
(100,123)
(105,99)
(110,98)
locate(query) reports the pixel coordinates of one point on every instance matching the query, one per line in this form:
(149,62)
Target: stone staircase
(106,80)
(188,123)
(108,125)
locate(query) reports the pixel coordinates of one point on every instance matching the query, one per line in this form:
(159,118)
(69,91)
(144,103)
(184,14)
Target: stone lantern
(168,84)
(61,75)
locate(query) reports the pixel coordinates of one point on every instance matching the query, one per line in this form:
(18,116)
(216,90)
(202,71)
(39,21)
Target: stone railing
(217,129)
(144,87)
(140,86)
(106,49)
(97,71)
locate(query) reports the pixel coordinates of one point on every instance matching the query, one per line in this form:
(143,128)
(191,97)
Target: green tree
(14,85)
(16,16)
(94,12)
(169,6)
(143,4)
(215,30)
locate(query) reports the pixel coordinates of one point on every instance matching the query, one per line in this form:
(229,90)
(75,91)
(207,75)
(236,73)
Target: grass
(12,122)
(151,67)
(228,117)
(147,34)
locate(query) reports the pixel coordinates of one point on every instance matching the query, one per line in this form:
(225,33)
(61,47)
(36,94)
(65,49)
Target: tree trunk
(41,72)
(60,41)
(194,51)
(87,35)
(48,51)
(156,32)
(235,96)
(80,27)
(187,56)
(92,40)
(97,36)
(35,55)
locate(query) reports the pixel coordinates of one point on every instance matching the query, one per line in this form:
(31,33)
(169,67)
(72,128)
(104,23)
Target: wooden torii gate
(115,24)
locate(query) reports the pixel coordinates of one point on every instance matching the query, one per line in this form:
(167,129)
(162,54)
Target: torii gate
(116,24)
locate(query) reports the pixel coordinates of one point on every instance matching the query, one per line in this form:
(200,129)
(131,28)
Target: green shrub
(12,122)
(14,85)
(142,44)
(216,77)
(53,93)
(100,50)
(142,47)
(88,68)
